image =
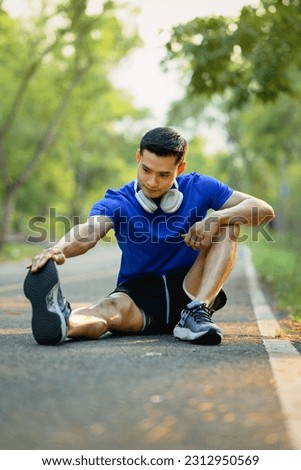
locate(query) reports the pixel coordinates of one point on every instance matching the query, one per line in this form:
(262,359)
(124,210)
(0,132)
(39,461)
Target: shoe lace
(202,313)
(63,304)
(61,300)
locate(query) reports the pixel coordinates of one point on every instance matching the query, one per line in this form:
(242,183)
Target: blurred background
(82,80)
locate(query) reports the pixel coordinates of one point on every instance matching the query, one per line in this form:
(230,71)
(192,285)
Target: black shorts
(162,298)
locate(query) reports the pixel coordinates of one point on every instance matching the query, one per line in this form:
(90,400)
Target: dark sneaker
(196,325)
(50,311)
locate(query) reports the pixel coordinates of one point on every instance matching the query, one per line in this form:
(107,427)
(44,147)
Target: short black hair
(164,141)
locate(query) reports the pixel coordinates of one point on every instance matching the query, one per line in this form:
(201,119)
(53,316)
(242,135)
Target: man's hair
(164,141)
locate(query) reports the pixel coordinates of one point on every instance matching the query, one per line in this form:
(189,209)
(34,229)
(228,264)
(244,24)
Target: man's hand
(81,238)
(201,234)
(41,259)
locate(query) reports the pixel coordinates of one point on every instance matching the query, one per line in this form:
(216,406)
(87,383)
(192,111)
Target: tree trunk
(11,189)
(8,209)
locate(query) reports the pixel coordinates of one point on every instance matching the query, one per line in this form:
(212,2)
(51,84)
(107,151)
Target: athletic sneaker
(196,325)
(50,310)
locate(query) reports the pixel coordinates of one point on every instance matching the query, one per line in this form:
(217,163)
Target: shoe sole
(210,337)
(48,328)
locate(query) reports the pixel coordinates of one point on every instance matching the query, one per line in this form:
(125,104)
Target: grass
(278,263)
(17,251)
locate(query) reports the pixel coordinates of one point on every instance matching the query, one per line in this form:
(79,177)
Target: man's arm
(240,208)
(80,239)
(244,209)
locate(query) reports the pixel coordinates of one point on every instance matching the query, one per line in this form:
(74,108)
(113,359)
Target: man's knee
(119,302)
(228,232)
(111,308)
(117,305)
(234,231)
(108,303)
(128,316)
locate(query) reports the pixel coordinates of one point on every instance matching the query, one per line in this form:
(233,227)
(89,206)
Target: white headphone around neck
(169,203)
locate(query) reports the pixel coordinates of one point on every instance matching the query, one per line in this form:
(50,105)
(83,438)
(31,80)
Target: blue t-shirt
(151,243)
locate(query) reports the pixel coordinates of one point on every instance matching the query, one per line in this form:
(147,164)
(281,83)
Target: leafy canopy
(255,54)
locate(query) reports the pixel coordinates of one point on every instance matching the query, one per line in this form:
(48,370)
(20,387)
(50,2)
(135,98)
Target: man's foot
(197,326)
(50,311)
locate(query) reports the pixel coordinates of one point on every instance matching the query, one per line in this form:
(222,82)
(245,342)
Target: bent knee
(228,232)
(234,231)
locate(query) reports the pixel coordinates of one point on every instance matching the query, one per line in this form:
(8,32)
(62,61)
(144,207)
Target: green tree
(267,143)
(43,64)
(253,59)
(256,54)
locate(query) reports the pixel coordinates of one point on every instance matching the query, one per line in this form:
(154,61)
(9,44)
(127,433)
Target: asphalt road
(135,392)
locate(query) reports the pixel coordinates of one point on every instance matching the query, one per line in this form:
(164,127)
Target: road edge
(284,358)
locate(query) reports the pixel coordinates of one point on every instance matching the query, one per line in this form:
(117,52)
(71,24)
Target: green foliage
(262,155)
(266,145)
(255,54)
(62,137)
(18,251)
(278,263)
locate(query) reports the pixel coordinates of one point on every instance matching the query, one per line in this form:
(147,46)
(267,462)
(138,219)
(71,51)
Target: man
(175,256)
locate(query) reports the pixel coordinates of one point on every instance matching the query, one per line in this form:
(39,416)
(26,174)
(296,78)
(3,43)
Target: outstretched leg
(53,321)
(116,312)
(50,311)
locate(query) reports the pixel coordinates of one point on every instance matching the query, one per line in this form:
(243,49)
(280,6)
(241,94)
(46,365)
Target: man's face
(157,174)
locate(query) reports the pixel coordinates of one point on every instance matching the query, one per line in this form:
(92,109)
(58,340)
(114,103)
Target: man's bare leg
(116,312)
(53,319)
(213,266)
(202,283)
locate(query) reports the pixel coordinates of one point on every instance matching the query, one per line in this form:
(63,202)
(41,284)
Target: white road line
(284,358)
